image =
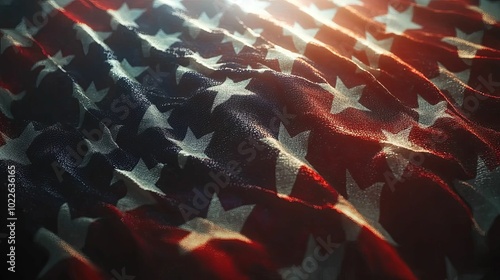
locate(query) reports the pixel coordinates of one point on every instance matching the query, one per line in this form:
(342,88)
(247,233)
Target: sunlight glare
(251,6)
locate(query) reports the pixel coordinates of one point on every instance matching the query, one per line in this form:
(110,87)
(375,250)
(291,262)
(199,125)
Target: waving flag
(257,139)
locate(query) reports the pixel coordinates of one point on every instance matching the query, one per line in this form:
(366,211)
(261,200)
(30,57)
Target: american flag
(250,139)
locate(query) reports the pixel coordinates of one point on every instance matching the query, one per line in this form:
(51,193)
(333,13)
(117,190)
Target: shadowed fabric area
(257,139)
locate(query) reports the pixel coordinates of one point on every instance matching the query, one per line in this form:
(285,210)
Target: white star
(285,58)
(344,3)
(88,98)
(135,198)
(398,22)
(392,146)
(95,95)
(467,44)
(238,40)
(490,10)
(300,36)
(62,3)
(140,183)
(87,36)
(125,16)
(27,28)
(219,224)
(203,231)
(482,194)
(351,220)
(202,23)
(321,16)
(228,89)
(115,130)
(374,48)
(58,250)
(453,82)
(52,64)
(104,146)
(361,66)
(397,163)
(399,140)
(199,64)
(367,202)
(176,4)
(161,41)
(257,70)
(15,149)
(291,157)
(180,71)
(72,231)
(51,5)
(202,64)
(344,97)
(395,160)
(141,176)
(6,99)
(232,219)
(428,114)
(17,37)
(192,146)
(124,69)
(154,118)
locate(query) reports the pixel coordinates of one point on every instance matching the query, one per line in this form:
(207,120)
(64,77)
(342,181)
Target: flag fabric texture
(231,139)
